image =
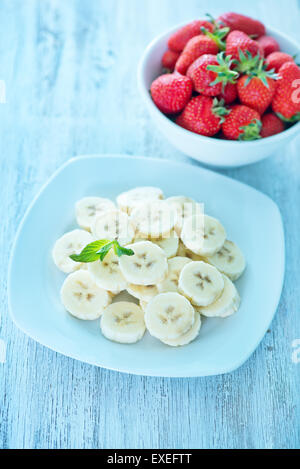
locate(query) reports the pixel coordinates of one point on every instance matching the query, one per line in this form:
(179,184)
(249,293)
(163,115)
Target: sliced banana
(113,225)
(229,260)
(142,292)
(127,201)
(88,208)
(203,235)
(169,316)
(82,297)
(168,245)
(226,305)
(201,283)
(70,243)
(148,266)
(154,219)
(123,322)
(107,274)
(188,337)
(185,208)
(170,283)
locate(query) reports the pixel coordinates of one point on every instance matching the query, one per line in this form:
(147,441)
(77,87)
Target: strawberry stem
(262,73)
(247,62)
(220,110)
(251,131)
(224,72)
(217,36)
(291,120)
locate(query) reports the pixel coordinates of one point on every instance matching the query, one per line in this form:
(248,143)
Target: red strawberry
(271,125)
(196,47)
(243,23)
(169,59)
(286,102)
(210,73)
(229,94)
(257,89)
(268,45)
(243,123)
(171,92)
(238,41)
(203,115)
(277,59)
(180,38)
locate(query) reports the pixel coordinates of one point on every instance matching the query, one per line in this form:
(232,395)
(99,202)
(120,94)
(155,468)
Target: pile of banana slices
(183,267)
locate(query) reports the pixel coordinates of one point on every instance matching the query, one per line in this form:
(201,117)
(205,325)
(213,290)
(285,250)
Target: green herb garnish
(99,249)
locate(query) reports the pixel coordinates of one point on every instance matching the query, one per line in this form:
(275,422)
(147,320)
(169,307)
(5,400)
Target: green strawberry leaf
(251,131)
(292,120)
(98,250)
(224,72)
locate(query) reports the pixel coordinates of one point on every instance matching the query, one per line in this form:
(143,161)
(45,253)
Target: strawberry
(229,94)
(171,92)
(277,59)
(180,38)
(268,45)
(210,73)
(257,89)
(255,94)
(169,60)
(286,102)
(242,23)
(237,42)
(203,115)
(197,46)
(271,125)
(243,123)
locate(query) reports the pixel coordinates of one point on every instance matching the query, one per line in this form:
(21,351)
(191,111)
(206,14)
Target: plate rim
(220,371)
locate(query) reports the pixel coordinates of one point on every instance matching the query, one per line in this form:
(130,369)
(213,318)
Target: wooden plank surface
(70,74)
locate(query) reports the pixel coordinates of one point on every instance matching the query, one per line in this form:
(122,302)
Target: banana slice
(82,297)
(88,208)
(148,266)
(203,235)
(170,283)
(123,322)
(185,208)
(188,337)
(107,274)
(229,260)
(142,292)
(70,243)
(127,201)
(154,219)
(168,245)
(113,225)
(226,305)
(201,283)
(169,316)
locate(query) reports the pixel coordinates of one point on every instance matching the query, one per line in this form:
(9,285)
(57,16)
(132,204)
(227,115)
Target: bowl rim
(222,142)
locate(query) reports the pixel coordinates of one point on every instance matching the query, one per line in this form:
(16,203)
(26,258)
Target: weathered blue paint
(70,74)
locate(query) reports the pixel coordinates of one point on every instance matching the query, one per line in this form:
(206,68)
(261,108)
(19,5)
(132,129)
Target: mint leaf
(98,250)
(105,250)
(120,251)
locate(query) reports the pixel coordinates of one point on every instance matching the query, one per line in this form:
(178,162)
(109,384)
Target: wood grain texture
(70,73)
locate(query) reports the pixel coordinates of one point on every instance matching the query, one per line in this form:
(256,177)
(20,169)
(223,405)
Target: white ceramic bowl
(211,151)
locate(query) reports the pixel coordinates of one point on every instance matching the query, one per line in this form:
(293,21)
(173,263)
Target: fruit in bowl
(228,78)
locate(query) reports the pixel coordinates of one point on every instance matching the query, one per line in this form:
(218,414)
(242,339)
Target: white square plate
(251,219)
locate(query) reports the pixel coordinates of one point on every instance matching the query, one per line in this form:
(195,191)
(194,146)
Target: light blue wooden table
(70,74)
